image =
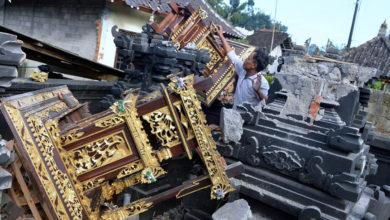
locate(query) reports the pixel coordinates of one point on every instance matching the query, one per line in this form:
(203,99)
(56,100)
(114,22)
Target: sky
(328,19)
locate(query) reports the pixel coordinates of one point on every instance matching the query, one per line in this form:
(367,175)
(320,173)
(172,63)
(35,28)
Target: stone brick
(69,25)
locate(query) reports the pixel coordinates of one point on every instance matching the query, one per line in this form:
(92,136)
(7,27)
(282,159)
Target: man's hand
(256,83)
(225,44)
(219,30)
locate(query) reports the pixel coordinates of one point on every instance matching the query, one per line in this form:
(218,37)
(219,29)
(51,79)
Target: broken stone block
(5,179)
(238,209)
(323,69)
(5,155)
(231,125)
(335,75)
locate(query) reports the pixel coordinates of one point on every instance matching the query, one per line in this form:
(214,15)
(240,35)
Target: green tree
(245,15)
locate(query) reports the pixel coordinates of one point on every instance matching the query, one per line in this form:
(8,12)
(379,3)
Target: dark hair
(261,59)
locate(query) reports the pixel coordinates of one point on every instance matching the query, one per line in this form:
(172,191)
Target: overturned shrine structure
(305,153)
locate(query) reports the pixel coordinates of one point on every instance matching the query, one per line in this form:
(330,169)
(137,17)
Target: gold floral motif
(31,100)
(164,154)
(39,76)
(155,171)
(54,131)
(43,111)
(130,169)
(192,21)
(42,138)
(92,183)
(71,137)
(128,111)
(108,190)
(184,121)
(36,161)
(109,122)
(206,144)
(163,126)
(134,208)
(100,152)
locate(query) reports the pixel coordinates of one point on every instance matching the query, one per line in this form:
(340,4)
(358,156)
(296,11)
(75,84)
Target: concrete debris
(5,179)
(5,154)
(356,75)
(231,125)
(238,209)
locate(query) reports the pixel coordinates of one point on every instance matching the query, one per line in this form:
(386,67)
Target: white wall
(125,18)
(277,52)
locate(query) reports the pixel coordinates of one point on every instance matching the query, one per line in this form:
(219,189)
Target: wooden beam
(26,192)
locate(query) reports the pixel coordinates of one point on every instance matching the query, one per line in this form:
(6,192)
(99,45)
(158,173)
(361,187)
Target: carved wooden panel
(186,26)
(71,157)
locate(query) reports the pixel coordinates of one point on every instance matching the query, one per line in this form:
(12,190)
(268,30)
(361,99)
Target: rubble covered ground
(142,147)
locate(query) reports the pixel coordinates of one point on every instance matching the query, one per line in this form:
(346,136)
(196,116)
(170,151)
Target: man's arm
(237,62)
(225,44)
(256,84)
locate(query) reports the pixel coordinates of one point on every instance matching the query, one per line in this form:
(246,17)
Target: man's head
(257,61)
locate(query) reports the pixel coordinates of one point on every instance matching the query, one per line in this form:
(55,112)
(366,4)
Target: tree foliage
(245,15)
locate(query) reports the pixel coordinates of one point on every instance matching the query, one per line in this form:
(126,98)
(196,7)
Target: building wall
(67,24)
(126,18)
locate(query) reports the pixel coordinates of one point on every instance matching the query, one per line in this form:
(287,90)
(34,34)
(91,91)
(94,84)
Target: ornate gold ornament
(100,152)
(214,55)
(134,208)
(30,100)
(164,154)
(130,169)
(36,160)
(92,183)
(71,137)
(109,122)
(39,76)
(42,138)
(126,109)
(163,127)
(206,145)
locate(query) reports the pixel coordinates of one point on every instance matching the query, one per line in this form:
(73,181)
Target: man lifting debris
(251,86)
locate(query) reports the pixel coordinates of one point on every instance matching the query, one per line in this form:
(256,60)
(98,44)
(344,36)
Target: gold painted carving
(214,55)
(31,100)
(37,161)
(117,187)
(61,179)
(164,154)
(134,208)
(42,112)
(39,76)
(225,77)
(130,169)
(92,183)
(71,137)
(206,144)
(54,131)
(163,127)
(109,122)
(100,152)
(126,109)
